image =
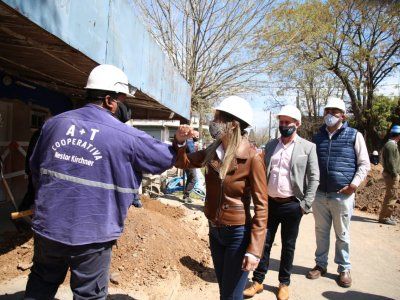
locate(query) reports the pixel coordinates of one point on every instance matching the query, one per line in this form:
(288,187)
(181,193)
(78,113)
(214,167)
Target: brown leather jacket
(228,202)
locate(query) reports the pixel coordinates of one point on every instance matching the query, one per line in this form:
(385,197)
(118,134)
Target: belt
(282,200)
(214,225)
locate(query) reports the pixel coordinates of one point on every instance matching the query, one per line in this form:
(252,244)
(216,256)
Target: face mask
(287,131)
(217,130)
(123,113)
(331,120)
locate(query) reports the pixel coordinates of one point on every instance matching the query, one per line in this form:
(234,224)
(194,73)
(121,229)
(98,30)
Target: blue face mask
(331,120)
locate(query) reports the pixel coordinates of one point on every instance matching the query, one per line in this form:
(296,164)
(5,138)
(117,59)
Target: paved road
(375,256)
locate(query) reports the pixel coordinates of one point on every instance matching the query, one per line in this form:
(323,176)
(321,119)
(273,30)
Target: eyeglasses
(131,89)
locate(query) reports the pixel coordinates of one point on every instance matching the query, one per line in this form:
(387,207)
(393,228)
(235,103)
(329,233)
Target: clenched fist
(185,132)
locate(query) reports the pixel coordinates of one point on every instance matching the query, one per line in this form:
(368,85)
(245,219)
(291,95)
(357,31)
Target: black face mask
(123,113)
(287,131)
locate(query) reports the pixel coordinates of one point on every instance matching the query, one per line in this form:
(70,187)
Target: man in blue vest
(343,164)
(86,167)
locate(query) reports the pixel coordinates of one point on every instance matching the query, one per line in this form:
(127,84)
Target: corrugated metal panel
(109,32)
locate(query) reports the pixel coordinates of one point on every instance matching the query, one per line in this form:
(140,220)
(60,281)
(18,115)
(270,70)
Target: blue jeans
(228,246)
(336,209)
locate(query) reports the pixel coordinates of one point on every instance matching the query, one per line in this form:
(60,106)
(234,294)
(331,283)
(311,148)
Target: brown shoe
(254,288)
(316,272)
(344,279)
(283,292)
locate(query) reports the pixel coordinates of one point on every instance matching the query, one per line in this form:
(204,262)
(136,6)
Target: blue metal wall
(108,31)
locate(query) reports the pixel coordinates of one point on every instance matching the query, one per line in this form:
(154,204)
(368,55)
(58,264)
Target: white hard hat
(334,102)
(290,111)
(375,152)
(237,107)
(109,78)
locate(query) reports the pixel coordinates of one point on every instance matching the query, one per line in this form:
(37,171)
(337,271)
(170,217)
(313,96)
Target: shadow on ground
(300,270)
(171,197)
(20,295)
(10,240)
(120,297)
(353,295)
(191,206)
(198,268)
(363,219)
(15,296)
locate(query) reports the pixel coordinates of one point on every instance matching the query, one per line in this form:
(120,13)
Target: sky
(389,87)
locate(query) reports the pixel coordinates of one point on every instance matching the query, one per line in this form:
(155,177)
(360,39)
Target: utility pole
(269,126)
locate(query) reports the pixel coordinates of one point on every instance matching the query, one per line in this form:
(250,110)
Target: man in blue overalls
(86,167)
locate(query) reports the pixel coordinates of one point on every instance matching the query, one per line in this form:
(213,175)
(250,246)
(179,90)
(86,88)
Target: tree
(209,41)
(357,41)
(313,86)
(260,136)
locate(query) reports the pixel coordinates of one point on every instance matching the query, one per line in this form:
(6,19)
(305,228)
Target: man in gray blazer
(293,178)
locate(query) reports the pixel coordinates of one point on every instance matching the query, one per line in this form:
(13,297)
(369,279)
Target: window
(38,118)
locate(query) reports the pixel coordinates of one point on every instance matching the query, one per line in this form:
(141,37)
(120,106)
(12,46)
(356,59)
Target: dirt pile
(16,251)
(157,241)
(370,194)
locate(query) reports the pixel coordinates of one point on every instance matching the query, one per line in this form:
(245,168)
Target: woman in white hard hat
(234,172)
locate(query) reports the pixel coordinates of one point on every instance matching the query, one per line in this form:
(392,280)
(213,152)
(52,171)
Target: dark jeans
(190,181)
(89,266)
(228,246)
(289,216)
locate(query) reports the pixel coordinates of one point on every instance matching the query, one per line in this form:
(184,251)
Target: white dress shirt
(279,185)
(220,152)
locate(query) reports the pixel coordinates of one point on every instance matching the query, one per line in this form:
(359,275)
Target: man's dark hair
(96,96)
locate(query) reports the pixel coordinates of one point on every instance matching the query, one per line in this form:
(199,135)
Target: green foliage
(381,113)
(356,41)
(206,137)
